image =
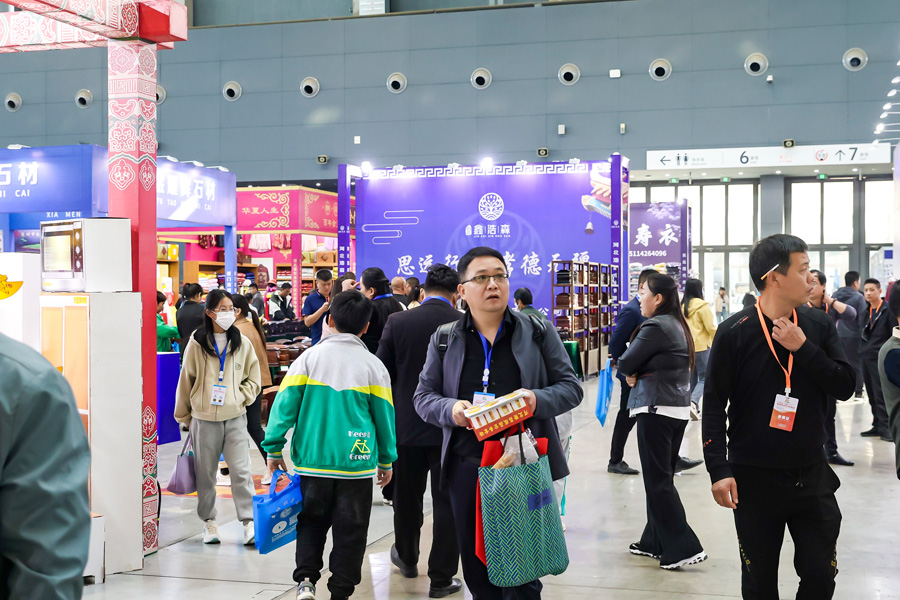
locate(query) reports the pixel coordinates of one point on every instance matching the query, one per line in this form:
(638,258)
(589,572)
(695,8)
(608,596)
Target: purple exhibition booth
(659,237)
(70,182)
(533,213)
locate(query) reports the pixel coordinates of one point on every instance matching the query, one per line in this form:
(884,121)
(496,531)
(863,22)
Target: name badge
(784,412)
(218,395)
(481,398)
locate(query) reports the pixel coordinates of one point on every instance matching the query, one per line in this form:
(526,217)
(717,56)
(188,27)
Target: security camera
(568,74)
(396,83)
(543,152)
(480,79)
(322,159)
(13,102)
(309,87)
(660,69)
(788,143)
(855,59)
(160,94)
(232,91)
(756,64)
(84,98)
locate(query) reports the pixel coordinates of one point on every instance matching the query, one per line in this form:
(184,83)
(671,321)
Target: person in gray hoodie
(45,523)
(850,331)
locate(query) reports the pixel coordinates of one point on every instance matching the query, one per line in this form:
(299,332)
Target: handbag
(523,536)
(275,514)
(183,480)
(604,392)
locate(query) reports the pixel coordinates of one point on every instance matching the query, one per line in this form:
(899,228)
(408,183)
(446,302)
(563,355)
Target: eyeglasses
(499,279)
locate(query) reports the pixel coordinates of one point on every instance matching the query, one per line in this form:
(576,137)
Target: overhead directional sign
(773,156)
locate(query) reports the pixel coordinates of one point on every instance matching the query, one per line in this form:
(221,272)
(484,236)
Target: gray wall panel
(442,65)
(367,105)
(307,142)
(253,110)
(508,98)
(325,109)
(328,69)
(189,112)
(311,39)
(654,17)
(257,143)
(241,43)
(255,76)
(63,85)
(371,69)
(80,121)
(191,79)
(729,15)
(449,101)
(450,137)
(511,134)
(204,145)
(376,35)
(453,30)
(728,50)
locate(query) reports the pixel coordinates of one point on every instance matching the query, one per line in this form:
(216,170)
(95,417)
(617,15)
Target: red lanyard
(876,311)
(787,372)
(810,304)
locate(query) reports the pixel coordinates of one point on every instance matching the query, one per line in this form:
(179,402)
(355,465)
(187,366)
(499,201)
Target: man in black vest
(402,349)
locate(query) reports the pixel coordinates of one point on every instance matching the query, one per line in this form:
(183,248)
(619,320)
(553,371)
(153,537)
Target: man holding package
(489,353)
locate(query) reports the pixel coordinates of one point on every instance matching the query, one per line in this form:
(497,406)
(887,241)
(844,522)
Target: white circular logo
(490,206)
(279,527)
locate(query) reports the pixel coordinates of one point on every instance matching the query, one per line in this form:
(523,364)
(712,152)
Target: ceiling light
(574,161)
(223,169)
(17,146)
(895,80)
(740,172)
(888,105)
(892,93)
(318,184)
(283,185)
(453,166)
(668,175)
(196,163)
(169,158)
(487,163)
(366,167)
(883,115)
(855,170)
(398,167)
(521,163)
(778,172)
(816,171)
(703,174)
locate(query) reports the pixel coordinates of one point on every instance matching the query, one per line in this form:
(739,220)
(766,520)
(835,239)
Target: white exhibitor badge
(218,395)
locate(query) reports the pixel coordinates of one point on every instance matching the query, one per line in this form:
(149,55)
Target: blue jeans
(698,376)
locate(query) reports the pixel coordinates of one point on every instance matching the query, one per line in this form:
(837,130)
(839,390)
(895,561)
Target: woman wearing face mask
(220,377)
(658,366)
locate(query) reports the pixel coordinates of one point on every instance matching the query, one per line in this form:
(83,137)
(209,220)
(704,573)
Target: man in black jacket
(771,370)
(190,316)
(491,350)
(850,331)
(403,347)
(877,331)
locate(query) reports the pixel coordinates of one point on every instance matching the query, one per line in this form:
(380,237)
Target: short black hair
(286,286)
(820,276)
(721,289)
(192,290)
(414,281)
(324,275)
(851,277)
(253,285)
(894,300)
(440,278)
(642,278)
(374,278)
(873,281)
(160,297)
(351,312)
(523,295)
(773,251)
(474,253)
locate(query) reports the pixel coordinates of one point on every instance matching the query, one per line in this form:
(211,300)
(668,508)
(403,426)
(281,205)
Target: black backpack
(446,329)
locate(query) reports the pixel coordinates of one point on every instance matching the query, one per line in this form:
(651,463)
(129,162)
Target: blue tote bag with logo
(604,392)
(275,514)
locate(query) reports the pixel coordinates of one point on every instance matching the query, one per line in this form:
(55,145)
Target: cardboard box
(498,415)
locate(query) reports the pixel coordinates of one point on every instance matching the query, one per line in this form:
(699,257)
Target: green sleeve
(283,416)
(165,331)
(381,407)
(45,524)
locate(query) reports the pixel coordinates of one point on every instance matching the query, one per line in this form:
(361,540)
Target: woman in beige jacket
(220,377)
(701,321)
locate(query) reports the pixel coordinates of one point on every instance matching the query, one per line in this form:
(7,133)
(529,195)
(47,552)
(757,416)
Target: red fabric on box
(489,457)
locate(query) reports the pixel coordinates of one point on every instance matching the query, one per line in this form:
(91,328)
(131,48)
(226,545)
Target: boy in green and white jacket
(337,397)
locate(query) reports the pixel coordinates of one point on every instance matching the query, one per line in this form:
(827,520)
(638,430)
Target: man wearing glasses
(491,352)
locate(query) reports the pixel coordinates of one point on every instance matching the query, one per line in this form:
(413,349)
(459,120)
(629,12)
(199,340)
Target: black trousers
(851,347)
(830,415)
(667,532)
(801,499)
(462,477)
(344,506)
(623,426)
(876,395)
(411,470)
(254,424)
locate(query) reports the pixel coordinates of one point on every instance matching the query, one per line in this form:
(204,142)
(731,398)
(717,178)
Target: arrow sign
(664,160)
(840,154)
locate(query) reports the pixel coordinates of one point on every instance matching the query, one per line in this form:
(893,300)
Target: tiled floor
(605,513)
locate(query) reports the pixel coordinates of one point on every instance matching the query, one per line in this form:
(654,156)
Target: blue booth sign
(195,195)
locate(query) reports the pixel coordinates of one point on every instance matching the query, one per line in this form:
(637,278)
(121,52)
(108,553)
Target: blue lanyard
(221,359)
(442,299)
(383,296)
(487,356)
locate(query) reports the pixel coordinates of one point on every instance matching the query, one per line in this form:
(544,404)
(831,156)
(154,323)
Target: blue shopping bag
(604,392)
(275,514)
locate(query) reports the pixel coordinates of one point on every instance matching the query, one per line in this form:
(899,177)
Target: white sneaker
(306,591)
(210,532)
(693,560)
(223,480)
(695,413)
(249,534)
(266,479)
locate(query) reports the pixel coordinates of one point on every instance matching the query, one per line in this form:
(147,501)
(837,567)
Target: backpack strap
(444,332)
(537,333)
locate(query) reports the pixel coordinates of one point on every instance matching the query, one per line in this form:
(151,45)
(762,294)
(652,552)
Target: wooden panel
(51,340)
(75,354)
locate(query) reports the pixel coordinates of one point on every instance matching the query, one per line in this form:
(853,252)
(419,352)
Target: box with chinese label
(498,415)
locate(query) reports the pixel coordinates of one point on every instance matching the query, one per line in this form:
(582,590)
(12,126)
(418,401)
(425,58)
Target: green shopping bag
(523,533)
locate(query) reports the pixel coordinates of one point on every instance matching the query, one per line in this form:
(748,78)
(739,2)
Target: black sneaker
(445,590)
(636,549)
(621,468)
(410,572)
(871,433)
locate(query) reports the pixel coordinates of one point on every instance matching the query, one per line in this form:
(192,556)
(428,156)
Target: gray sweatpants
(210,440)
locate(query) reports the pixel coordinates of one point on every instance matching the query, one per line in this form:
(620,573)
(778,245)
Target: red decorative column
(132,194)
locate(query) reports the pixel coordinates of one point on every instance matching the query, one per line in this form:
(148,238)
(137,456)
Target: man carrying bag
(489,353)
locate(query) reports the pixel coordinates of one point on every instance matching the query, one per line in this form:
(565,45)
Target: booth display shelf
(585,303)
(193,268)
(170,268)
